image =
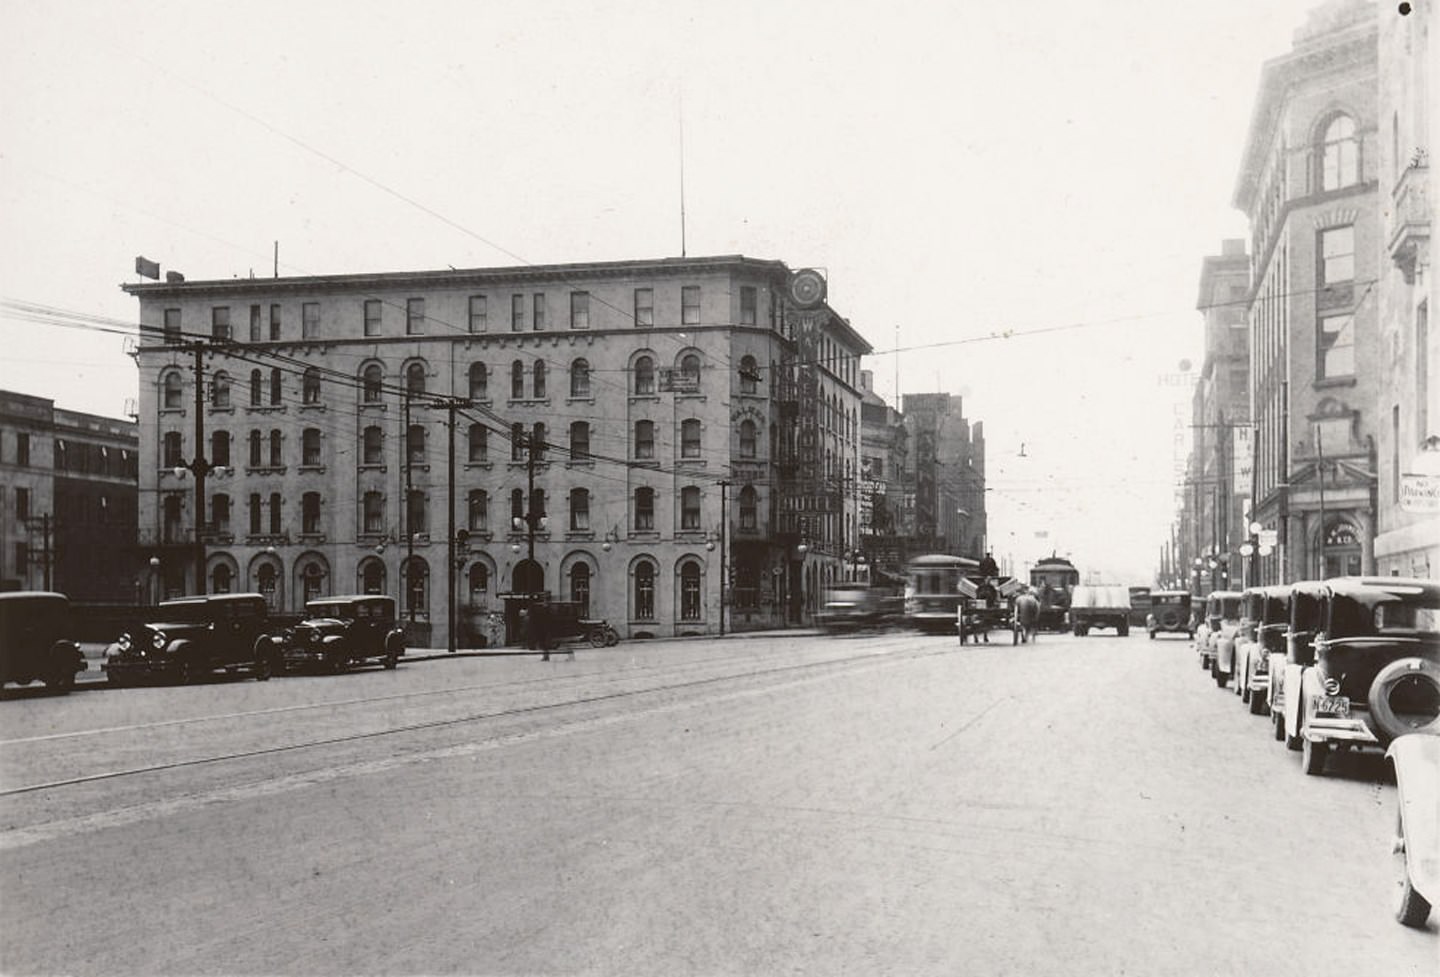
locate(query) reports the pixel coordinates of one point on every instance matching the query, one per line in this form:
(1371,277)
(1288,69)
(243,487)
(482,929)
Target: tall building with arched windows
(671,443)
(1309,184)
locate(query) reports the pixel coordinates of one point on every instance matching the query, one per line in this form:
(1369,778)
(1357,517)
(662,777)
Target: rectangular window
(372,317)
(517,313)
(220,323)
(690,305)
(747,305)
(172,326)
(645,509)
(1336,347)
(256,324)
(538,318)
(274,323)
(479,314)
(22,503)
(579,510)
(644,307)
(415,512)
(256,514)
(1337,255)
(414,317)
(579,310)
(22,559)
(644,439)
(690,508)
(310,320)
(374,512)
(22,448)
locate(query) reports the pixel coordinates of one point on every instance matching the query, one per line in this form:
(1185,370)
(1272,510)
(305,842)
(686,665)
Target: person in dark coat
(540,625)
(988,567)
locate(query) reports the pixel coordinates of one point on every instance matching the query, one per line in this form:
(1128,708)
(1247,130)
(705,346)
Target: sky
(1011,202)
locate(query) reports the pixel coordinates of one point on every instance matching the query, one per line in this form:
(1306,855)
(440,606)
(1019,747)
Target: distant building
(1407,541)
(676,422)
(884,451)
(946,472)
(1309,183)
(68,494)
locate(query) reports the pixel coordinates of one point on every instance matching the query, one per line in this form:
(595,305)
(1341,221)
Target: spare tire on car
(1405,698)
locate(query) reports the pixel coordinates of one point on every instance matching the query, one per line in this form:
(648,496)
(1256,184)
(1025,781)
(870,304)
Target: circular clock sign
(807,287)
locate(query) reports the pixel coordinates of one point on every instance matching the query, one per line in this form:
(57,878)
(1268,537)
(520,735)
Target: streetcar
(1052,579)
(933,590)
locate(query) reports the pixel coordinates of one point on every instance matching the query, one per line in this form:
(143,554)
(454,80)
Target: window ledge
(226,409)
(372,406)
(262,409)
(645,463)
(266,470)
(374,468)
(312,468)
(308,408)
(579,534)
(485,465)
(644,398)
(580,463)
(580,400)
(528,402)
(1334,382)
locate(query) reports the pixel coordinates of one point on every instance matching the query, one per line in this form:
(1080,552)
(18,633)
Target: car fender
(1416,757)
(1382,716)
(1293,694)
(395,641)
(331,640)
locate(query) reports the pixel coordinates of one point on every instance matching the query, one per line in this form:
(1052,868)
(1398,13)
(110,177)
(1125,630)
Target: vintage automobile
(35,640)
(190,638)
(342,631)
(1222,618)
(1099,607)
(1169,613)
(853,605)
(1265,617)
(1377,667)
(1416,758)
(1286,673)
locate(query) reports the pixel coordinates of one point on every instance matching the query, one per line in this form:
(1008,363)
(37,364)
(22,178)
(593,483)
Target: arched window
(747,438)
(690,507)
(374,381)
(276,457)
(415,444)
(219,513)
(690,438)
(517,442)
(256,442)
(579,440)
(310,447)
(268,580)
(690,591)
(174,392)
(579,510)
(580,378)
(373,514)
(748,507)
(1339,154)
(517,508)
(219,391)
(310,513)
(257,514)
(372,576)
(690,369)
(310,386)
(479,585)
(275,387)
(415,379)
(644,439)
(537,441)
(749,375)
(173,450)
(374,449)
(645,509)
(517,380)
(275,513)
(645,591)
(479,382)
(220,448)
(417,586)
(479,447)
(257,388)
(644,375)
(538,384)
(479,510)
(580,587)
(416,512)
(313,581)
(220,579)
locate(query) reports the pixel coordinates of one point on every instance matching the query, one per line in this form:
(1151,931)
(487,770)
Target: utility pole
(450,405)
(724,574)
(45,553)
(405,514)
(199,466)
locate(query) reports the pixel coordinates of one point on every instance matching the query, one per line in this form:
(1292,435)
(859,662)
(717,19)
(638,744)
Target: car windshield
(185,611)
(1230,608)
(845,595)
(1395,616)
(335,609)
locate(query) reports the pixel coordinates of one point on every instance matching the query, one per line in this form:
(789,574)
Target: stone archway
(528,577)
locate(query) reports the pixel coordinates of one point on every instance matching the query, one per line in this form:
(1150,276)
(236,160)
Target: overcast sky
(957,170)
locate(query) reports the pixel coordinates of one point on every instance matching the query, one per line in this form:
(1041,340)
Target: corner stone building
(676,422)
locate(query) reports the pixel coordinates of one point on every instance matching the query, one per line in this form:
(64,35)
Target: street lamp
(155,579)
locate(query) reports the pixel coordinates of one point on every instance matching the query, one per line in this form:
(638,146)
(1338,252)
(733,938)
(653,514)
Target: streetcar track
(442,723)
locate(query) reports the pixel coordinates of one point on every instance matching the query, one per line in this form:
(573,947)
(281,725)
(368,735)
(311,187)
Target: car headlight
(158,641)
(123,643)
(1332,686)
(314,636)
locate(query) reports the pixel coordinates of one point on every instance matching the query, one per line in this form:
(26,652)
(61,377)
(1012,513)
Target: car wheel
(1124,630)
(62,681)
(1313,756)
(1416,683)
(1220,677)
(1277,719)
(264,668)
(188,673)
(1257,703)
(1411,908)
(391,659)
(1152,635)
(116,680)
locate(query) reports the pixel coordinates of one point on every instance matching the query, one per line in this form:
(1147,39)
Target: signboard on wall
(1420,493)
(1244,456)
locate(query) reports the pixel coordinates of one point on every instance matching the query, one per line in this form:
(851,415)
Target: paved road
(889,804)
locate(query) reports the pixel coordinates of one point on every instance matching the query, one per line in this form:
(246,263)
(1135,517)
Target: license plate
(1334,705)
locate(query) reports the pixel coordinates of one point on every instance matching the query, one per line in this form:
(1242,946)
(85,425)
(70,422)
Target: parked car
(1305,607)
(1222,615)
(1417,825)
(36,643)
(191,638)
(1169,613)
(1377,667)
(342,631)
(1269,614)
(1099,607)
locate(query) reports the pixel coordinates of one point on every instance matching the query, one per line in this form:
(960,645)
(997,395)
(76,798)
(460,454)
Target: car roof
(1371,589)
(1224,594)
(209,599)
(1169,593)
(31,594)
(336,598)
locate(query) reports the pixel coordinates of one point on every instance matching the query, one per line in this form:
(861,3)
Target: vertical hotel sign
(1243,457)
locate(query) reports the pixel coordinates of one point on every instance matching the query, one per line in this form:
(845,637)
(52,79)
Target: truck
(1099,606)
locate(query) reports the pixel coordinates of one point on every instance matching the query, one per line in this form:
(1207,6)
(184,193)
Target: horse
(1027,615)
